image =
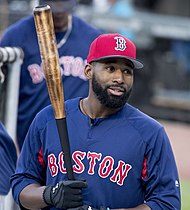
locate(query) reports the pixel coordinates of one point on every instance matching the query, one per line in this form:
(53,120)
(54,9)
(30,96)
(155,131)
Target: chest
(102,150)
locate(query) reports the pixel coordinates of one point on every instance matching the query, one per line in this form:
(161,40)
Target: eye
(110,68)
(128,71)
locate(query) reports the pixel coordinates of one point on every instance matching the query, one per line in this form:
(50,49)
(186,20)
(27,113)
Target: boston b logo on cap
(113,46)
(120,42)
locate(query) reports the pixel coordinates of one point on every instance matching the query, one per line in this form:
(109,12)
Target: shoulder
(21,24)
(72,105)
(24,25)
(43,117)
(141,122)
(46,115)
(83,26)
(137,117)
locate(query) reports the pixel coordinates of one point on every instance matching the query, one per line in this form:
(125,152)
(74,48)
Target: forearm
(31,197)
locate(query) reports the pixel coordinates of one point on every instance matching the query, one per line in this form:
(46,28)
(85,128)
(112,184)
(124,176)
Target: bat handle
(63,135)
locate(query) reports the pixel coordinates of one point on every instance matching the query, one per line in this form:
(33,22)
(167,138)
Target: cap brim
(137,63)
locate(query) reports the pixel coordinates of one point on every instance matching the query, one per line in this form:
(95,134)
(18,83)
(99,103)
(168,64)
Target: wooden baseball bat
(51,66)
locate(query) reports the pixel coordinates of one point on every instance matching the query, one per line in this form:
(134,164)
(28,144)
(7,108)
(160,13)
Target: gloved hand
(66,194)
(87,207)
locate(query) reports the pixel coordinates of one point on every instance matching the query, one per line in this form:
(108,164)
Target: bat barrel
(50,58)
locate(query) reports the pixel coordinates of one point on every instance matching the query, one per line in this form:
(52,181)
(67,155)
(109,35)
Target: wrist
(46,196)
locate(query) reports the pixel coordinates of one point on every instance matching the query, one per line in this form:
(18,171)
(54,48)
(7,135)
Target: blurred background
(161,31)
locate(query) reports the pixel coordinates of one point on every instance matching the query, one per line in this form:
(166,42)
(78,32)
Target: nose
(118,76)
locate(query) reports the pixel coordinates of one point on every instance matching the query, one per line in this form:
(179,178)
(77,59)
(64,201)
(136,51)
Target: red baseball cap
(113,46)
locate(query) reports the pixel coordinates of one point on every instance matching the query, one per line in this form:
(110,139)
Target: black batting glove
(66,194)
(87,207)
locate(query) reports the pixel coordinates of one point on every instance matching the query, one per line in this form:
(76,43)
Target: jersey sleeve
(30,168)
(161,182)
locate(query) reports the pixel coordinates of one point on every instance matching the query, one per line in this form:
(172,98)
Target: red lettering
(120,173)
(61,163)
(93,157)
(77,157)
(52,165)
(106,166)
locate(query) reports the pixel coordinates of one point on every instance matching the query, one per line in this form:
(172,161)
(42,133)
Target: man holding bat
(122,158)
(72,35)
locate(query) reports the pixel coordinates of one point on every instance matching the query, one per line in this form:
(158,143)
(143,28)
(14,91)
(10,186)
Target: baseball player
(72,34)
(121,157)
(8,159)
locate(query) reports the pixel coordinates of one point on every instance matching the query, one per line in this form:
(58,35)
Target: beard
(109,101)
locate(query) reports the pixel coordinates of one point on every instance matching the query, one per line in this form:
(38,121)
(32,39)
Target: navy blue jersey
(126,158)
(8,159)
(33,95)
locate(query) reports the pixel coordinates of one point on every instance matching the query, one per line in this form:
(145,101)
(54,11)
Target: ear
(88,71)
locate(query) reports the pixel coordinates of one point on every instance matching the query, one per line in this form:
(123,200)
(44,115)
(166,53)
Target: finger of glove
(71,198)
(73,191)
(68,202)
(76,184)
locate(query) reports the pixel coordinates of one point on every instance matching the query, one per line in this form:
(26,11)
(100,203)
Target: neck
(68,31)
(94,109)
(61,29)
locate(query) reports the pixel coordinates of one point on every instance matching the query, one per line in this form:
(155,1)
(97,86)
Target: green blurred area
(185,195)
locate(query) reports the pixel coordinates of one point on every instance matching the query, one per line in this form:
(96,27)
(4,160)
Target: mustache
(116,86)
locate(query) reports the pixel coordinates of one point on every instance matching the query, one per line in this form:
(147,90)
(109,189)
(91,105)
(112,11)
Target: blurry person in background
(72,35)
(8,159)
